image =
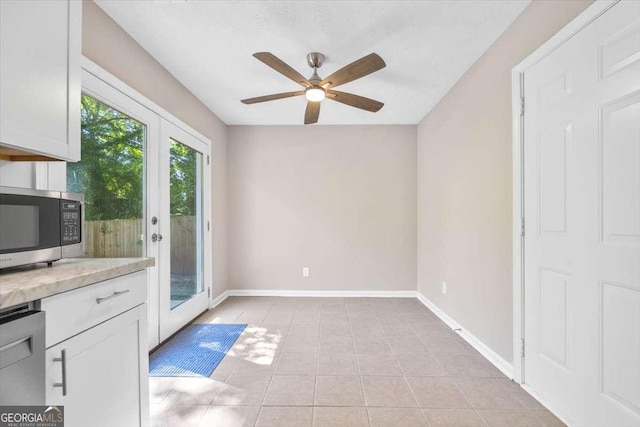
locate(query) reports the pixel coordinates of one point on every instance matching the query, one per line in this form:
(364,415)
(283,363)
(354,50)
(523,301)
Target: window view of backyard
(186,223)
(112,177)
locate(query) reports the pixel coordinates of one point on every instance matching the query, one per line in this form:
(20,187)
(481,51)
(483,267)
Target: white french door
(183,206)
(147,194)
(582,210)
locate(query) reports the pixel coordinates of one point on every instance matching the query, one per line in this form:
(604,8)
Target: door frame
(93,68)
(172,321)
(103,92)
(518,111)
(113,85)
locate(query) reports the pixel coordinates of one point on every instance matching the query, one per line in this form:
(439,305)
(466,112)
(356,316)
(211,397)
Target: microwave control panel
(71,222)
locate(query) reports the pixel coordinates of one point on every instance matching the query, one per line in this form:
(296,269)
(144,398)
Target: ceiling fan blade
(355,100)
(312,113)
(282,67)
(360,68)
(272,97)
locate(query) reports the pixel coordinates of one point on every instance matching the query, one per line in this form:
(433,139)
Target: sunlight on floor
(343,361)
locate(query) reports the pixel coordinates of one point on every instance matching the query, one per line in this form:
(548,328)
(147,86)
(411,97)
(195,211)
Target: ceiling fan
(316,89)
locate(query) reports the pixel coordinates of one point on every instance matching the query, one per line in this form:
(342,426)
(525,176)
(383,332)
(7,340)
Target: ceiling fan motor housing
(315,59)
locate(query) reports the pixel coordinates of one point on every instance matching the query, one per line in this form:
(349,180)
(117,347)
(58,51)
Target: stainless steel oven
(39,226)
(22,357)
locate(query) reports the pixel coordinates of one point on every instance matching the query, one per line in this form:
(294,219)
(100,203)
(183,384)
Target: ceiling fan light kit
(317,89)
(314,94)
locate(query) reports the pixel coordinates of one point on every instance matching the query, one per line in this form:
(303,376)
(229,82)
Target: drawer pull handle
(115,294)
(63,361)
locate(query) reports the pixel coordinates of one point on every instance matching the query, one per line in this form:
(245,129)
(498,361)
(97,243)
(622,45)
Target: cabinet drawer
(72,312)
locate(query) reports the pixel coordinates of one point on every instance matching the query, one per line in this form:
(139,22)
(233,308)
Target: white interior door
(582,210)
(182,227)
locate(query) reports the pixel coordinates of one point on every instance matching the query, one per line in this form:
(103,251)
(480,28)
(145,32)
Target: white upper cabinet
(40,51)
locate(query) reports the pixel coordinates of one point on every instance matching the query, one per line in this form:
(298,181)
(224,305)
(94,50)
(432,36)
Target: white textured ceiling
(208,46)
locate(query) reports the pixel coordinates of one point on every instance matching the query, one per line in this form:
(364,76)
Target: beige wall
(340,200)
(107,44)
(464,183)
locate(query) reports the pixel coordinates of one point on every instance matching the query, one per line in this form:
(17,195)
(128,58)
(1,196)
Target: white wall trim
(218,300)
(571,29)
(113,81)
(493,357)
(517,92)
(344,294)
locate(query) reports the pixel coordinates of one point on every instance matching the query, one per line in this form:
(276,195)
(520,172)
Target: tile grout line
(415,398)
(422,410)
(270,381)
(355,356)
(315,383)
(276,359)
(450,379)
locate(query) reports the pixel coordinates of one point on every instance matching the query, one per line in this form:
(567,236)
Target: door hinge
(522,348)
(522,227)
(522,105)
(208,160)
(208,226)
(208,292)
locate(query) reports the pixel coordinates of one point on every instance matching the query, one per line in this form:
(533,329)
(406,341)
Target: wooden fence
(123,238)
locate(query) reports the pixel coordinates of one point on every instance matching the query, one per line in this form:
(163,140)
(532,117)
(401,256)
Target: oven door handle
(15,351)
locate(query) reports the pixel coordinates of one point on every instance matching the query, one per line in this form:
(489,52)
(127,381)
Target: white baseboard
(279,293)
(218,300)
(344,294)
(493,357)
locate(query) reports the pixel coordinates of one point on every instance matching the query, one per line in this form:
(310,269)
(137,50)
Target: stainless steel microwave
(39,226)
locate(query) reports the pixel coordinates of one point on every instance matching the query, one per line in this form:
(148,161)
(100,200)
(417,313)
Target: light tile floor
(332,362)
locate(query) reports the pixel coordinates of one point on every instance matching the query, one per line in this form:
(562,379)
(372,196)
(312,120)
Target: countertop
(30,283)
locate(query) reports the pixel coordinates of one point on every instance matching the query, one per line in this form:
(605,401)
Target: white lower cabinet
(100,375)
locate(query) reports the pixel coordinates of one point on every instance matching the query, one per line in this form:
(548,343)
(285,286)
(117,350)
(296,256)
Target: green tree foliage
(183,161)
(111,172)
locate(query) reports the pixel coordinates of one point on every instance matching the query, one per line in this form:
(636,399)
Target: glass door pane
(183,200)
(185,192)
(111,175)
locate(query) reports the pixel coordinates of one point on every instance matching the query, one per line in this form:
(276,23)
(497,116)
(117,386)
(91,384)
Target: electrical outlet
(305,271)
(444,288)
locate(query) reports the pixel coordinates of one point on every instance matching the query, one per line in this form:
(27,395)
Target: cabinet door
(106,373)
(40,50)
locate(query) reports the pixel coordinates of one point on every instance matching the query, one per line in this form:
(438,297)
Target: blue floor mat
(195,351)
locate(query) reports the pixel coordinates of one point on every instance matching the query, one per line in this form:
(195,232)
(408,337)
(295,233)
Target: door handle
(63,360)
(156,237)
(16,351)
